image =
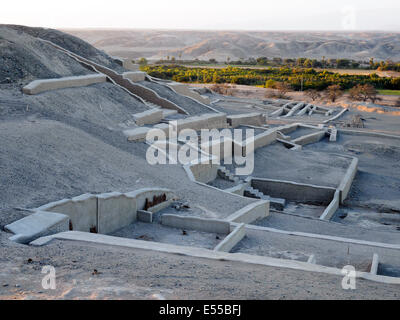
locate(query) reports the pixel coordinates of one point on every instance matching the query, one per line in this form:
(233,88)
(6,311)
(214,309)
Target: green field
(389,92)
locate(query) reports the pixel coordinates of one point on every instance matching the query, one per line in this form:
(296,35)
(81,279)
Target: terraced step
(276,203)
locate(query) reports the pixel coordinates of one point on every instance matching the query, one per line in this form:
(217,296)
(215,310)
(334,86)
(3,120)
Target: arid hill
(220,45)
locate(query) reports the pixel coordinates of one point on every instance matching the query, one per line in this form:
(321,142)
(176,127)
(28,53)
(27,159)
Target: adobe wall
(332,208)
(251,212)
(196,223)
(38,224)
(292,191)
(254,119)
(347,181)
(134,76)
(309,138)
(232,239)
(184,90)
(81,210)
(204,172)
(151,116)
(38,86)
(115,210)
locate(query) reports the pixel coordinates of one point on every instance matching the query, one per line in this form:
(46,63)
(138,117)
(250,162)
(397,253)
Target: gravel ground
(275,161)
(302,209)
(294,223)
(327,253)
(72,44)
(222,183)
(139,274)
(377,183)
(102,104)
(159,233)
(189,105)
(23,59)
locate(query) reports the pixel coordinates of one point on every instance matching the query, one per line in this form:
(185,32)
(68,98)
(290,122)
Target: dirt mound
(24,58)
(72,44)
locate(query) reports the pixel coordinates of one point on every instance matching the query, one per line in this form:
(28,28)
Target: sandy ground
(159,233)
(327,253)
(137,274)
(300,166)
(295,222)
(377,183)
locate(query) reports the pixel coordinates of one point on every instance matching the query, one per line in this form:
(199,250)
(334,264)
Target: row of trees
(360,92)
(291,62)
(297,78)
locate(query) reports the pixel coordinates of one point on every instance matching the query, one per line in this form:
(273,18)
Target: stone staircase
(249,191)
(224,173)
(276,203)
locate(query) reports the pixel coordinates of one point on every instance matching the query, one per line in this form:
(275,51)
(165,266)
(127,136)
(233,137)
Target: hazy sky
(206,14)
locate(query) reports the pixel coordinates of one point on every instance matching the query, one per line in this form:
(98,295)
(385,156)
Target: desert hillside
(220,45)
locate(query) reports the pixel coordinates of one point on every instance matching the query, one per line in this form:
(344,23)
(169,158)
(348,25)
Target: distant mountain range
(219,45)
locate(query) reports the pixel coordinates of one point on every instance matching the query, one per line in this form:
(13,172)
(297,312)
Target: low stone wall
(251,212)
(294,109)
(38,224)
(115,210)
(103,213)
(292,191)
(309,138)
(288,128)
(205,121)
(374,264)
(288,144)
(333,206)
(196,223)
(232,239)
(260,140)
(38,86)
(347,181)
(151,116)
(81,210)
(254,119)
(205,253)
(127,63)
(336,116)
(134,76)
(148,193)
(204,172)
(184,90)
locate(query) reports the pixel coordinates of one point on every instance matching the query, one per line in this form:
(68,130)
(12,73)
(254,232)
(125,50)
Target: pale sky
(206,14)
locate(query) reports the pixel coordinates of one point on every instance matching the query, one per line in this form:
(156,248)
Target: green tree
(333,92)
(142,61)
